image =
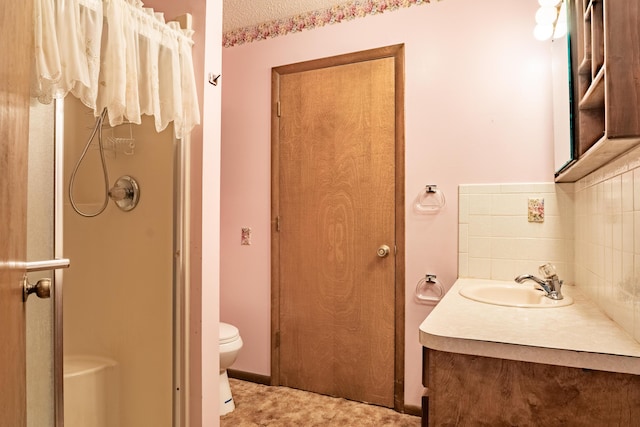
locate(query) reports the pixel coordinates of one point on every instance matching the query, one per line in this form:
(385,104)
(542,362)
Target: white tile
(616,267)
(551,204)
(507,248)
(479,247)
(608,266)
(636,276)
(627,232)
(627,192)
(636,233)
(479,226)
(504,269)
(463,209)
(463,238)
(463,265)
(532,187)
(509,226)
(482,188)
(479,204)
(636,321)
(636,190)
(480,268)
(552,228)
(463,189)
(616,231)
(616,194)
(509,204)
(628,275)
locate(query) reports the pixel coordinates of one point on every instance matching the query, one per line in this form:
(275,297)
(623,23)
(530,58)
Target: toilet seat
(228,333)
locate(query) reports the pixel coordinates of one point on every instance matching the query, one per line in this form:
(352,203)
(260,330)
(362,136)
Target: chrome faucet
(551,284)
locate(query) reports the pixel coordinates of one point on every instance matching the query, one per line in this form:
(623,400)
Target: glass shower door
(44,367)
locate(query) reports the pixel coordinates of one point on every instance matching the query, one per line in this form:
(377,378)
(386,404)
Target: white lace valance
(118,55)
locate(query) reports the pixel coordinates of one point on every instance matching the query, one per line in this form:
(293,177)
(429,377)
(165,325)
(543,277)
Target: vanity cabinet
(465,390)
(606,82)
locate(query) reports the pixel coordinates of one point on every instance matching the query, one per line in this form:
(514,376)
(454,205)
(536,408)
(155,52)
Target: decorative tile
(536,209)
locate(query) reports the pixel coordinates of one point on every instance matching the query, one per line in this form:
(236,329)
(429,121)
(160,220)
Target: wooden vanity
(492,365)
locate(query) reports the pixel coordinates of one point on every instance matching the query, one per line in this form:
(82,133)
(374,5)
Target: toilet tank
(90,392)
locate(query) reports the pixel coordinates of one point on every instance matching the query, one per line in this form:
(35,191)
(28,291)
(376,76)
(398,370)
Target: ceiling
(244,13)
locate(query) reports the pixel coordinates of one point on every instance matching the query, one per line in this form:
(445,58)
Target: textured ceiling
(244,13)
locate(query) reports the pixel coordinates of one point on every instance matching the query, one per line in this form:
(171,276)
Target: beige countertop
(579,335)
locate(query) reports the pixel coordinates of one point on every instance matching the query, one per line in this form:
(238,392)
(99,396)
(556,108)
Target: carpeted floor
(260,405)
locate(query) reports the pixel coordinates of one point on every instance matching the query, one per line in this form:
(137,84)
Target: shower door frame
(181,280)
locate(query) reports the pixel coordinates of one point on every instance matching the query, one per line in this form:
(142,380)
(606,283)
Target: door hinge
(278,112)
(278,223)
(277,338)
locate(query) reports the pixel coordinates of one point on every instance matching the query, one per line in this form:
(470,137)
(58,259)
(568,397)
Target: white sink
(512,295)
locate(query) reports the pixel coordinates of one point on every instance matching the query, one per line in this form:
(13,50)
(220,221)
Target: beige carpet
(260,405)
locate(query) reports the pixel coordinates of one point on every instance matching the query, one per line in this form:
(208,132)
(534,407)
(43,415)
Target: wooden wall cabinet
(605,44)
(465,390)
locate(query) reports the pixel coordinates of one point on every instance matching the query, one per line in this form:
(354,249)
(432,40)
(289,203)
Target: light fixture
(543,31)
(561,23)
(551,19)
(546,15)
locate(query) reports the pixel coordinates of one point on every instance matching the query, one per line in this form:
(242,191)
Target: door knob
(42,288)
(383,251)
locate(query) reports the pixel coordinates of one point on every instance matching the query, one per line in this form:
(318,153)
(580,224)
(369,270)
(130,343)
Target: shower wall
(118,291)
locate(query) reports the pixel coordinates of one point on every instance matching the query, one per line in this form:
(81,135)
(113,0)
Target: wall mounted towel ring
(430,200)
(429,290)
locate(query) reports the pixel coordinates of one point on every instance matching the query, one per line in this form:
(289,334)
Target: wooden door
(337,302)
(15,32)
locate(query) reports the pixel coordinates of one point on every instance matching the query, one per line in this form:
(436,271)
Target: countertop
(579,335)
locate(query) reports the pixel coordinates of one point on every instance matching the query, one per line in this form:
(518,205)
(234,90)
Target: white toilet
(230,345)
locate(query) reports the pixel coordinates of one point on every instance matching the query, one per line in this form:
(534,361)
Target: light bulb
(548,2)
(543,31)
(546,15)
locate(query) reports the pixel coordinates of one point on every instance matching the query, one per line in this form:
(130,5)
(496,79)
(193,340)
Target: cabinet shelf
(602,152)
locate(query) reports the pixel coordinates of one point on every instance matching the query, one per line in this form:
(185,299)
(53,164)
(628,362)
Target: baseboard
(249,376)
(413,410)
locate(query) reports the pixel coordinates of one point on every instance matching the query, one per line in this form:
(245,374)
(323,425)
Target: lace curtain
(118,55)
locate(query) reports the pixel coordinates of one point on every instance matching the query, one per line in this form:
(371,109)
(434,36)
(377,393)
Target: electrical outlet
(245,236)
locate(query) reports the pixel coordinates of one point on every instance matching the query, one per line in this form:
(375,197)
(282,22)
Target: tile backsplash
(498,241)
(607,239)
(590,231)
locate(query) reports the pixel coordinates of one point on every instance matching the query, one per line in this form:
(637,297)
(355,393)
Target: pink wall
(477,110)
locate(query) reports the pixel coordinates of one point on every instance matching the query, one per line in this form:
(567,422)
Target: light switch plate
(536,209)
(245,236)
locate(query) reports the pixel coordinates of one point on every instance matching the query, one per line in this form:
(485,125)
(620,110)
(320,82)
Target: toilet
(230,345)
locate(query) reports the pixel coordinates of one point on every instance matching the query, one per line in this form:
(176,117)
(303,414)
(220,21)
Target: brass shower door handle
(42,288)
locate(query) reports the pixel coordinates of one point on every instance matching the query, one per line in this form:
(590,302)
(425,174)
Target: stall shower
(117,102)
(119,292)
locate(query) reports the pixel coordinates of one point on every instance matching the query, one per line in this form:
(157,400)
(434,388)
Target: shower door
(43,315)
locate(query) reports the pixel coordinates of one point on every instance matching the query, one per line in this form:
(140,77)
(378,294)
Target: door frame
(397,53)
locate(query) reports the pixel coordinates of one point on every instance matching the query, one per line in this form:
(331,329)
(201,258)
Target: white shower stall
(117,341)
